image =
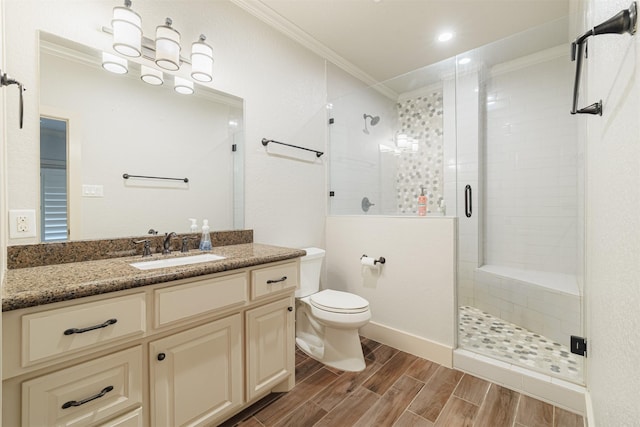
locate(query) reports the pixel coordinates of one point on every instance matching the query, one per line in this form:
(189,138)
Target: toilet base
(341,350)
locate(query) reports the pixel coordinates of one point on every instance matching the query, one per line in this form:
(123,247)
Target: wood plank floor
(400,390)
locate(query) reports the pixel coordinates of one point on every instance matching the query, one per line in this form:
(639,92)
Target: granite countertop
(28,287)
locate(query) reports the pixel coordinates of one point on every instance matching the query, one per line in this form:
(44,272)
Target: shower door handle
(467,201)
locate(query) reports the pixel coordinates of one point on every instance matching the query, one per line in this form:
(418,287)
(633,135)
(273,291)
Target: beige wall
(613,222)
(282,83)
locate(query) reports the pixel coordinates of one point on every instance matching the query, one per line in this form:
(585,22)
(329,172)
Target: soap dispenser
(205,240)
(422,203)
(194,225)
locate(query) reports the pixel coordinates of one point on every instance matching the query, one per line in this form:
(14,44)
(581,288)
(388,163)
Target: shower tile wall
(421,118)
(531,157)
(356,167)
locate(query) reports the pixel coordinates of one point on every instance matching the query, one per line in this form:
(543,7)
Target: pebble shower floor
(489,335)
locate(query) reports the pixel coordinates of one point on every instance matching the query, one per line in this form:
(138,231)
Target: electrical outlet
(22,223)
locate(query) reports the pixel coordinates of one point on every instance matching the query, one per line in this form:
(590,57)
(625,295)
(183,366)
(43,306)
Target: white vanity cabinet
(192,352)
(270,336)
(196,375)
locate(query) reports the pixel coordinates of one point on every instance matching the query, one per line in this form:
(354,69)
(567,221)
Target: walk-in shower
(489,136)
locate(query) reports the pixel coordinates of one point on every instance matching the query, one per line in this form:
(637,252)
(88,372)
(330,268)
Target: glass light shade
(201,61)
(151,75)
(127,31)
(167,47)
(183,86)
(114,63)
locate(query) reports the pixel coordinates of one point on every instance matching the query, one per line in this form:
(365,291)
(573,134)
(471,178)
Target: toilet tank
(310,266)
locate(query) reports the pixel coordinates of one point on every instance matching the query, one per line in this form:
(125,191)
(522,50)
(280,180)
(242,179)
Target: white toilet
(327,321)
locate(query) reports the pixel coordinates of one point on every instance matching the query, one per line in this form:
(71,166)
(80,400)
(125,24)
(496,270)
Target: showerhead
(374,121)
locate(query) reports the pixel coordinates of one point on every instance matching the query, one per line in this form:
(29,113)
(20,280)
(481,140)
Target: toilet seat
(339,302)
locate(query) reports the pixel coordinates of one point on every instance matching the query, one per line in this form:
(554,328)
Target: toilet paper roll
(368,261)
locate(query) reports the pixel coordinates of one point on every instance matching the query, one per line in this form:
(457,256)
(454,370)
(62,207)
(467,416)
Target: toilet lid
(339,302)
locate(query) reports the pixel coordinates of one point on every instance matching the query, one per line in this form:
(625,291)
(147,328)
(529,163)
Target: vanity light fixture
(201,60)
(167,46)
(183,86)
(127,30)
(151,75)
(114,63)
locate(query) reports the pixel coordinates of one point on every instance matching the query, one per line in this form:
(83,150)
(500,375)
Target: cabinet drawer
(130,419)
(85,394)
(265,281)
(199,297)
(52,333)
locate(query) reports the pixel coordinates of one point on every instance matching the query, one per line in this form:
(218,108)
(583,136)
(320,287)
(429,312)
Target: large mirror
(117,124)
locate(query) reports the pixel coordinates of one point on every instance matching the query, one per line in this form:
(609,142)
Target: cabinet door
(196,375)
(270,346)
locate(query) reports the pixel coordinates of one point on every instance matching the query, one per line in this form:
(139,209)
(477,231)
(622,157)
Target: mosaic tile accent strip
(483,333)
(421,118)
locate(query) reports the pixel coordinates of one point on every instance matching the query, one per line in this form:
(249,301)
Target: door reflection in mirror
(53,180)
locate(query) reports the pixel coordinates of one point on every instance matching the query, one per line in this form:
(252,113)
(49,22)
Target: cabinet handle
(72,331)
(290,308)
(71,403)
(161,356)
(282,279)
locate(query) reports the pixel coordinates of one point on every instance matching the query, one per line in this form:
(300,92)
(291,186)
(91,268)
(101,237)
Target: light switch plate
(92,190)
(22,223)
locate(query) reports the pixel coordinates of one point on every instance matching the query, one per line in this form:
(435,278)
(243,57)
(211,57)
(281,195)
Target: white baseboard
(590,420)
(409,343)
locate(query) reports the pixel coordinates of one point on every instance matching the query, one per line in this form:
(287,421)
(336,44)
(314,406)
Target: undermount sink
(174,262)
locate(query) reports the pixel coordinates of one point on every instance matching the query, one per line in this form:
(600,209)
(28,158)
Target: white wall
(282,83)
(613,223)
(3,169)
(413,295)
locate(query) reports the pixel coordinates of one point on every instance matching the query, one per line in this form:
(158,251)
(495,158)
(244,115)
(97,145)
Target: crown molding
(276,21)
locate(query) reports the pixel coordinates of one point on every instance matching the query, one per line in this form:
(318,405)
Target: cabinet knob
(161,356)
(290,308)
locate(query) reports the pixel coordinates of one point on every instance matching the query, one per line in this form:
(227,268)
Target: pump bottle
(205,240)
(422,203)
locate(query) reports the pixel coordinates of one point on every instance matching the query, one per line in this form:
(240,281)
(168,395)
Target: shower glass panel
(520,252)
(390,142)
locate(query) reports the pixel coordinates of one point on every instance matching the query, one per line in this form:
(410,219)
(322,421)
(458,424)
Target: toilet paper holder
(380,260)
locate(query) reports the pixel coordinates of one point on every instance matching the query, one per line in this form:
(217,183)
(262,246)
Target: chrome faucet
(166,244)
(146,249)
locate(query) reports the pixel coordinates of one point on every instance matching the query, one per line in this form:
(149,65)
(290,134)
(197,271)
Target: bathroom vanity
(185,345)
